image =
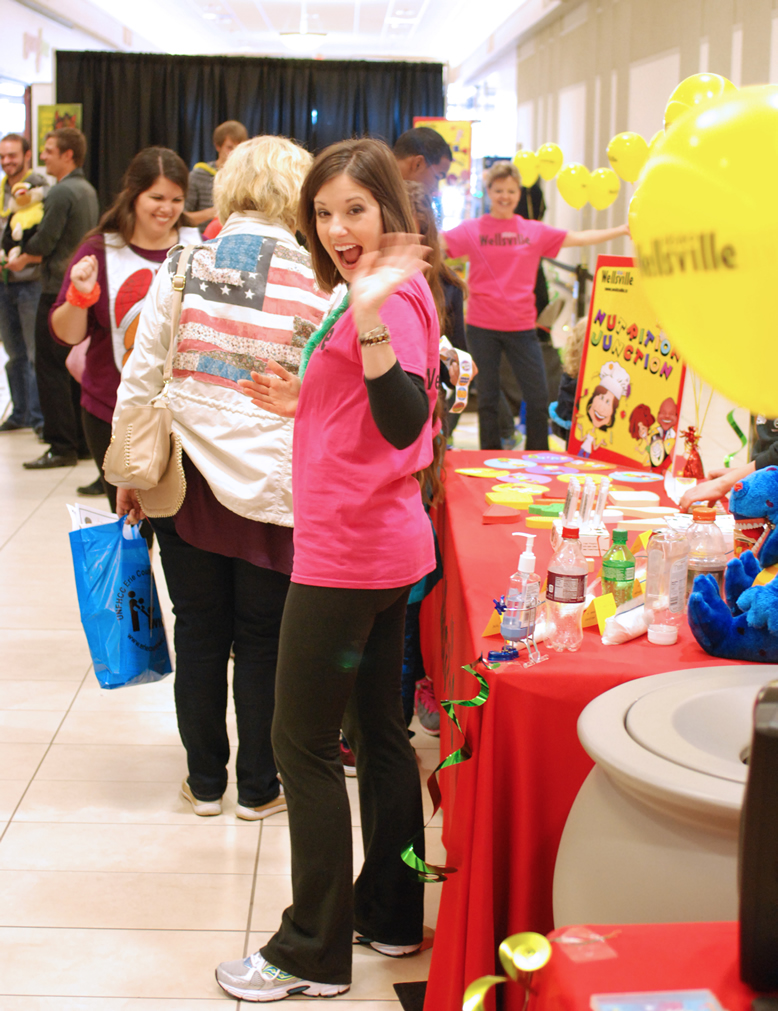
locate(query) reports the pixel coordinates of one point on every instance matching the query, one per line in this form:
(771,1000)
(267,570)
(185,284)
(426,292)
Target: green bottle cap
(620,536)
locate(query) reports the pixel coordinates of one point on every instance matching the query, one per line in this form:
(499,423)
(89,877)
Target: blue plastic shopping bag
(119,607)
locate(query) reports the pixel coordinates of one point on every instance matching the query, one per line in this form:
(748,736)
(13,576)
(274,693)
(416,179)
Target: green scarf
(318,336)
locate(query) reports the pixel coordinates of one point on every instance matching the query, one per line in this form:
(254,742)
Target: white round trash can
(652,836)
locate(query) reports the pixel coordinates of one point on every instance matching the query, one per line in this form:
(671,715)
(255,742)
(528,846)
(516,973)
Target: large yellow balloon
(704,222)
(527,164)
(572,183)
(603,188)
(550,160)
(695,92)
(653,144)
(627,153)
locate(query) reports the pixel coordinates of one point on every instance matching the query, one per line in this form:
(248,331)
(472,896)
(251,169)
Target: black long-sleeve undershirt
(399,405)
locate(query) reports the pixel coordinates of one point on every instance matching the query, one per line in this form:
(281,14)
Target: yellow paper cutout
(590,615)
(516,500)
(523,487)
(641,541)
(492,626)
(604,607)
(483,472)
(540,522)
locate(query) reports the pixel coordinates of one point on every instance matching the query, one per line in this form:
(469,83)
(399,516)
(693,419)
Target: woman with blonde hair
(250,296)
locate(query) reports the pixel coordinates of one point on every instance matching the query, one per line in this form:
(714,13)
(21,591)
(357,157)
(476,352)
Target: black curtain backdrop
(133,100)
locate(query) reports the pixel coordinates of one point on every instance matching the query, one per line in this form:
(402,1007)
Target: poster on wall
(53,117)
(630,384)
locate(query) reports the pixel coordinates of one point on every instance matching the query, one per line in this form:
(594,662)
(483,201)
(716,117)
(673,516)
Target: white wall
(29,42)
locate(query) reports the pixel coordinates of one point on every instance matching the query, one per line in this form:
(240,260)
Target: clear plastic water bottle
(618,569)
(707,550)
(566,593)
(668,562)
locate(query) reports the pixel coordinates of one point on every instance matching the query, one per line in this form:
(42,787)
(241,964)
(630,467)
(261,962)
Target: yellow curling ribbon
(521,955)
(737,430)
(477,991)
(430,873)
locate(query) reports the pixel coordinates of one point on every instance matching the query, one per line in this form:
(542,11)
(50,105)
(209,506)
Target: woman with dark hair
(108,278)
(363,439)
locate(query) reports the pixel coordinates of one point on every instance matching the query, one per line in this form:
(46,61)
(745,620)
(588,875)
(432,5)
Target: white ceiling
(444,30)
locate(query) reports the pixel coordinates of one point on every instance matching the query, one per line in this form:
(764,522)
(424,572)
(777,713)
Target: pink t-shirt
(504,258)
(359,521)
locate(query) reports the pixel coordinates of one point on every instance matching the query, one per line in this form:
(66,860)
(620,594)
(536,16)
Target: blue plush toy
(746,627)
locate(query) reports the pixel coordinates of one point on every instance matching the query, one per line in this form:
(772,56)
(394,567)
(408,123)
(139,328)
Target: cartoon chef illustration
(602,406)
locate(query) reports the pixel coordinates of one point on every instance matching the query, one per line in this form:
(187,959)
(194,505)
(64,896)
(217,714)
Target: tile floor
(114,896)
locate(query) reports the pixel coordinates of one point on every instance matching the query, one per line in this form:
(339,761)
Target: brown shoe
(264,811)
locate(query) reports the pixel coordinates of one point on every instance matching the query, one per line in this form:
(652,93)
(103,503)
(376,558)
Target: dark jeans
(18,305)
(522,350)
(221,602)
(60,394)
(98,437)
(339,665)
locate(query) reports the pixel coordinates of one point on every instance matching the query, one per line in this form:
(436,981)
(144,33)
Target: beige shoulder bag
(145,452)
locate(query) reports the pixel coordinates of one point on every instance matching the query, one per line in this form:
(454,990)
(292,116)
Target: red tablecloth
(673,956)
(505,808)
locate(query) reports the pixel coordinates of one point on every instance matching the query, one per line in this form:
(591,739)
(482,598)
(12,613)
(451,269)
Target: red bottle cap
(570,533)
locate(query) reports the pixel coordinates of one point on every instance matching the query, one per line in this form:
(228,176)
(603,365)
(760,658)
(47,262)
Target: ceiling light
(302,41)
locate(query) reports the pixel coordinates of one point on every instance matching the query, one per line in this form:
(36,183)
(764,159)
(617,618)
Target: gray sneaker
(255,979)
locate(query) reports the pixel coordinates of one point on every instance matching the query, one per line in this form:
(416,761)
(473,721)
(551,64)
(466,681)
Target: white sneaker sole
(303,988)
(390,950)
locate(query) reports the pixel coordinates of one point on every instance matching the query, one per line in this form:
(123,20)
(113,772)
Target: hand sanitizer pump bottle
(521,600)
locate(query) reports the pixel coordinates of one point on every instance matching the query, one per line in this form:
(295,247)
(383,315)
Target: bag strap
(179,282)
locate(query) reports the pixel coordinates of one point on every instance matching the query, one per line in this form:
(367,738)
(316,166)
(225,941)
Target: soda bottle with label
(618,569)
(566,593)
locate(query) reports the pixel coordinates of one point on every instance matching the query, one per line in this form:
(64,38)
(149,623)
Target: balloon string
(743,441)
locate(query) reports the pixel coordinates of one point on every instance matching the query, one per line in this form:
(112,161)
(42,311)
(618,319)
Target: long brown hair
(369,163)
(143,171)
(431,478)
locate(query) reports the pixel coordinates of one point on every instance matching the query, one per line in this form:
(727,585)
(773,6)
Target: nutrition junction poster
(631,378)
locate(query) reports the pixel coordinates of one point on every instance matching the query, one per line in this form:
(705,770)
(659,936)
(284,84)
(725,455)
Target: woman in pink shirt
(504,251)
(363,431)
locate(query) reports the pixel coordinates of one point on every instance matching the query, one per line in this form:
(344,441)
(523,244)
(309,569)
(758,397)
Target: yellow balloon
(603,188)
(653,144)
(550,160)
(704,222)
(694,92)
(627,153)
(527,164)
(572,183)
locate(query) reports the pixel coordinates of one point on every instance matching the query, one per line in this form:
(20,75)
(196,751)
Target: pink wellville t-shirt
(359,521)
(504,258)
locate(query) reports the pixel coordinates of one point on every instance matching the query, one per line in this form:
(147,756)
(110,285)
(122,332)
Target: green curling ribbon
(318,336)
(430,873)
(743,440)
